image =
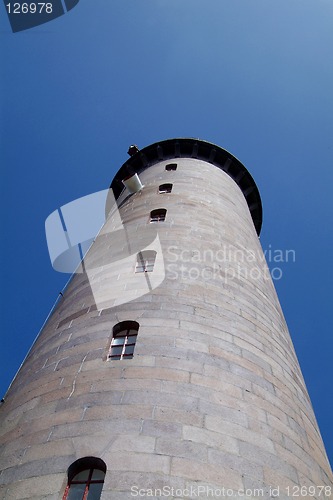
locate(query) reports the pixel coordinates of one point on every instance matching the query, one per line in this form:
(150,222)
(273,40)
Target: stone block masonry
(213,397)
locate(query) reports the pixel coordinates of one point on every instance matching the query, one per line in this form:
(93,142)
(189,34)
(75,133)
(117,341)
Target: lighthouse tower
(166,369)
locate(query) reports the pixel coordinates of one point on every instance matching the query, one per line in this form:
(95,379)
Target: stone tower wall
(213,397)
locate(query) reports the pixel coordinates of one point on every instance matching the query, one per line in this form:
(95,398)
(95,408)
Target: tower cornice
(197,149)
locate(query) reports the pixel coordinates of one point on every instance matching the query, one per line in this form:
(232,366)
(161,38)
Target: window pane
(118,340)
(76,492)
(116,350)
(95,491)
(132,332)
(97,474)
(115,357)
(129,349)
(82,476)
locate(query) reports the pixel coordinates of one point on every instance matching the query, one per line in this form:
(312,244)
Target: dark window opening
(85,479)
(171,166)
(165,188)
(145,261)
(123,340)
(158,215)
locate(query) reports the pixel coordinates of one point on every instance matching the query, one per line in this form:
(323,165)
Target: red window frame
(87,482)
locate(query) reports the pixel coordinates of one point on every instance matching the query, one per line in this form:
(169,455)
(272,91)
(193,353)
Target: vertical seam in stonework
(84,412)
(73,387)
(74,381)
(48,437)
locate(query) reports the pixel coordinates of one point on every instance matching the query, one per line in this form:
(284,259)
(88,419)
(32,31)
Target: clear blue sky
(253,76)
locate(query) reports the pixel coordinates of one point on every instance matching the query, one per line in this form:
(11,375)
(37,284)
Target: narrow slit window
(85,479)
(171,166)
(123,340)
(145,261)
(158,215)
(165,188)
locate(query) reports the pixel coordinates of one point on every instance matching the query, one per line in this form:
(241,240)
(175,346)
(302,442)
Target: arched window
(171,166)
(124,336)
(85,479)
(165,188)
(145,261)
(158,215)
